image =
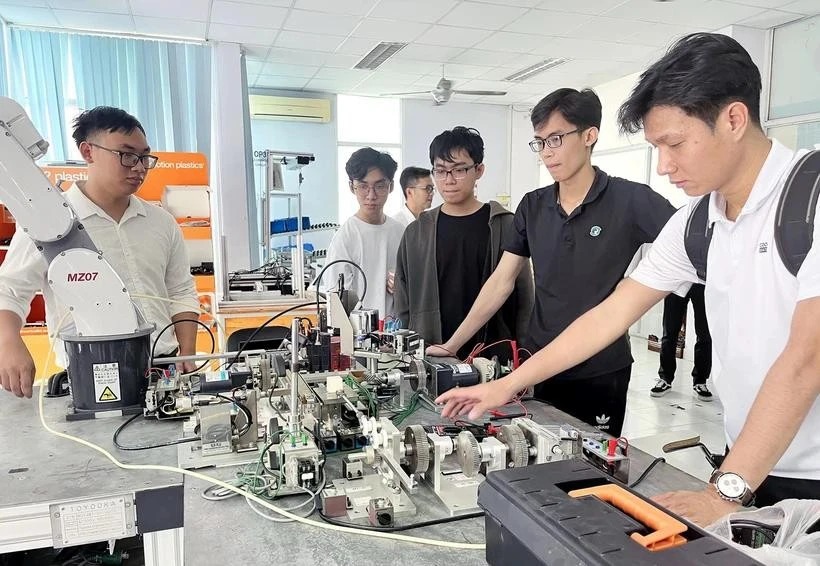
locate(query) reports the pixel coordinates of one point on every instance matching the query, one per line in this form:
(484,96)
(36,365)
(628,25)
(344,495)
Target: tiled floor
(651,422)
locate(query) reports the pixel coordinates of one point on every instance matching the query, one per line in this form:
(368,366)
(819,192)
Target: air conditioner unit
(285,108)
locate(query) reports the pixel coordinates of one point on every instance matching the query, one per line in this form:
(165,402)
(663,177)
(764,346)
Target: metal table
(228,532)
(54,492)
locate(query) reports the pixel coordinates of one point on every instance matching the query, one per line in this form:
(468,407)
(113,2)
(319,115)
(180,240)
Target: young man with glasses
(417,186)
(142,242)
(368,238)
(449,252)
(581,233)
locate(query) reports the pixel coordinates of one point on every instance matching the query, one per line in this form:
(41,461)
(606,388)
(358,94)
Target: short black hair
(582,108)
(104,119)
(410,175)
(700,74)
(460,137)
(367,158)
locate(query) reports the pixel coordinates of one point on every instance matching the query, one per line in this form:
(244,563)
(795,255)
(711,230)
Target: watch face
(731,485)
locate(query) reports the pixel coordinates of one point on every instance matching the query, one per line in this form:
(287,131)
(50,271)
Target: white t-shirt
(404,216)
(750,299)
(373,247)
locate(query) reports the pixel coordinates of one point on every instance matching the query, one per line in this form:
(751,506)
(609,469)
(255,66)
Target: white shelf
(308,231)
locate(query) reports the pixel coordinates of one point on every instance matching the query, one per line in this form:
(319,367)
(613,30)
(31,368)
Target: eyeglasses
(428,188)
(379,187)
(458,173)
(554,141)
(128,159)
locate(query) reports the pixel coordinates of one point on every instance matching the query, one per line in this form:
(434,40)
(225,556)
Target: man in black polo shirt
(581,233)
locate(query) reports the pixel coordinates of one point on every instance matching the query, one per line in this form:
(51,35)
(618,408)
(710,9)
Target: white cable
(312,500)
(229,487)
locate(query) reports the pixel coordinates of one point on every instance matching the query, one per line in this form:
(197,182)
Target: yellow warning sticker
(108,395)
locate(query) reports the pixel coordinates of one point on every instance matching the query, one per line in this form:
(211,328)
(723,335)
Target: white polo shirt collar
(85,207)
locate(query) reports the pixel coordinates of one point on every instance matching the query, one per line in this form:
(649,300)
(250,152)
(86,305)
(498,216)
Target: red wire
(520,404)
(525,350)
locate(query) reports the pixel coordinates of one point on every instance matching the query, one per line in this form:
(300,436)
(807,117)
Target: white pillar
(229,176)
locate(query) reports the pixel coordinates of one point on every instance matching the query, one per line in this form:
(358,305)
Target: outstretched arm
(587,336)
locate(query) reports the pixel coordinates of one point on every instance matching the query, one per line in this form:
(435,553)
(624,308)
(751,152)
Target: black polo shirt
(579,259)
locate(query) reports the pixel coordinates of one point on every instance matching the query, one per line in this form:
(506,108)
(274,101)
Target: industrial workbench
(54,492)
(40,473)
(228,532)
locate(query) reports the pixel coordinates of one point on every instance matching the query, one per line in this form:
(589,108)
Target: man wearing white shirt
(699,105)
(369,238)
(142,242)
(417,186)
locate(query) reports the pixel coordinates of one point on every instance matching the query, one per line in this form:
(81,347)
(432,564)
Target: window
(795,79)
(368,122)
(166,85)
(797,136)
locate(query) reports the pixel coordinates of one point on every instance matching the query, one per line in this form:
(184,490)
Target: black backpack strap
(698,235)
(794,223)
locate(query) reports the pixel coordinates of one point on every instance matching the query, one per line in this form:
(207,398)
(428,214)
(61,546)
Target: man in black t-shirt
(446,255)
(581,233)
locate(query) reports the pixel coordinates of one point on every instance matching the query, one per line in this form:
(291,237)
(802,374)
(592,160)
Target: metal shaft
(294,372)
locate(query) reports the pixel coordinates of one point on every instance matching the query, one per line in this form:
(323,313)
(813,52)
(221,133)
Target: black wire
(147,446)
(255,332)
(318,280)
(243,408)
(419,525)
(645,473)
(174,323)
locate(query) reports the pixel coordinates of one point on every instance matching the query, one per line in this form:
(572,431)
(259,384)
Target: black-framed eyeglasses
(554,141)
(379,187)
(128,159)
(428,188)
(458,173)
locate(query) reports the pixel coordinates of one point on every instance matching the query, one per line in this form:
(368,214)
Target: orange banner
(173,168)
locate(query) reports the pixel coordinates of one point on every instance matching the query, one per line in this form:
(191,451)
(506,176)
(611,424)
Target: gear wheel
(517,448)
(469,453)
(419,380)
(417,450)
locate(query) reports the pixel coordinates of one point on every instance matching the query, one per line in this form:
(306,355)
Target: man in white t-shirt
(369,238)
(699,105)
(417,185)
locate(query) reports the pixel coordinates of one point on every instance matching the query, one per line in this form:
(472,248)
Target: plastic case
(531,518)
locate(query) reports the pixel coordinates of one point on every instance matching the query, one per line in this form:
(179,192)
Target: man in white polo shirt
(142,242)
(699,105)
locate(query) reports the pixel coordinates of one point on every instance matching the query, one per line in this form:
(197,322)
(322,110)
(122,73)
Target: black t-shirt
(462,248)
(579,259)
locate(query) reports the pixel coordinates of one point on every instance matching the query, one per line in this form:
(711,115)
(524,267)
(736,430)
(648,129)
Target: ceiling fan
(444,90)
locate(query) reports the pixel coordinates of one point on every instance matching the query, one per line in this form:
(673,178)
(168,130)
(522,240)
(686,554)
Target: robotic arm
(77,272)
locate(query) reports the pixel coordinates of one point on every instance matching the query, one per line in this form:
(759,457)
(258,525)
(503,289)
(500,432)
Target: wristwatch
(731,487)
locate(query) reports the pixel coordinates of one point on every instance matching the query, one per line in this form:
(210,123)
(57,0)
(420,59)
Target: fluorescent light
(379,54)
(524,74)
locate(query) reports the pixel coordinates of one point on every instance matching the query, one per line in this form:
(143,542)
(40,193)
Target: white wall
(320,185)
(422,121)
(524,164)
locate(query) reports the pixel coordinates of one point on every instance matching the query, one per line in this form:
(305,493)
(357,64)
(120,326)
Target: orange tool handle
(667,529)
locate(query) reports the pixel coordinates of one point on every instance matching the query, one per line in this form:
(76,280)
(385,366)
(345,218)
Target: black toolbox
(535,516)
